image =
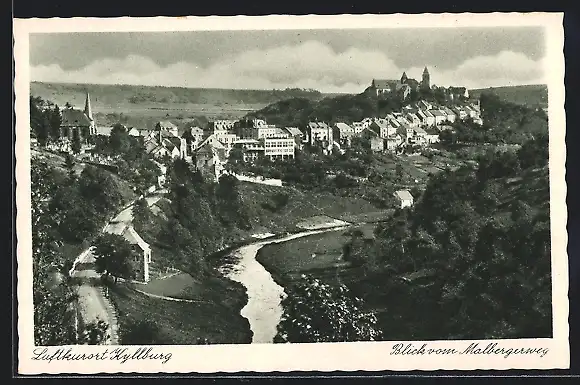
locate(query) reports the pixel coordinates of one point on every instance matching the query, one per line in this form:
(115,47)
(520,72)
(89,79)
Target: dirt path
(93,304)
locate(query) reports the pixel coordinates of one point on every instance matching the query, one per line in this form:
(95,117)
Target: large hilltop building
(405,85)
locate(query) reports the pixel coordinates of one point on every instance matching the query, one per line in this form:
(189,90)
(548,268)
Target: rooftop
(103,130)
(166,124)
(384,83)
(71,117)
(294,131)
(404,194)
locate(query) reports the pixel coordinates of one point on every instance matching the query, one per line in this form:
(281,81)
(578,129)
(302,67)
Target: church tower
(404,78)
(89,113)
(426,81)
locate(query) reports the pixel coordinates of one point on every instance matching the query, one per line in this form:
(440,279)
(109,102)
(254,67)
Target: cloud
(311,64)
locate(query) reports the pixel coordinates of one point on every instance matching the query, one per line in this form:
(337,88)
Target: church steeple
(426,79)
(88,112)
(404,78)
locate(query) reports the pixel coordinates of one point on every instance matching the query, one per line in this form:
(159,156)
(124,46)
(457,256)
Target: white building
(222,125)
(358,127)
(404,197)
(272,132)
(320,131)
(343,133)
(279,148)
(252,148)
(432,136)
(440,116)
(226,138)
(414,120)
(450,115)
(384,127)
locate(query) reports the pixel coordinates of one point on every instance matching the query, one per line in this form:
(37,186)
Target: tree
(55,122)
(231,208)
(236,159)
(100,190)
(318,312)
(42,130)
(119,139)
(76,143)
(399,172)
(54,320)
(140,332)
(95,333)
(69,163)
(141,214)
(114,256)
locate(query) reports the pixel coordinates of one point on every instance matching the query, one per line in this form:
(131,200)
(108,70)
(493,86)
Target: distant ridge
(108,95)
(123,85)
(531,95)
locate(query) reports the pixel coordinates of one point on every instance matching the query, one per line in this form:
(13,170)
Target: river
(263,310)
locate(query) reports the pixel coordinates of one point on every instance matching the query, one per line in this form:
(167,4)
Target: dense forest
(67,209)
(471,259)
(199,218)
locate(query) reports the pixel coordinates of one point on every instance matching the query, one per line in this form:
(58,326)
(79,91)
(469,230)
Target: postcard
(291,193)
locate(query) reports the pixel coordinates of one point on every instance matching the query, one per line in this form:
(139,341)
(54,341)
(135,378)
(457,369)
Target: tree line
(470,260)
(474,253)
(65,209)
(45,120)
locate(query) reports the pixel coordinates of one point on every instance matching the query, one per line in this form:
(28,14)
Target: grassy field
(215,317)
(300,206)
(530,95)
(314,252)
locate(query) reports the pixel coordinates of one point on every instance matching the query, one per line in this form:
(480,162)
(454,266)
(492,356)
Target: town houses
(418,123)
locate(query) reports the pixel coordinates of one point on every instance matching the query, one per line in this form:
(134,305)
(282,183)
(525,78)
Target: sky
(327,60)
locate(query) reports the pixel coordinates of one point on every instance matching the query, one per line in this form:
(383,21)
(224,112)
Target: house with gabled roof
(413,119)
(432,136)
(424,105)
(381,86)
(384,127)
(439,115)
(143,256)
(343,133)
(450,114)
(393,141)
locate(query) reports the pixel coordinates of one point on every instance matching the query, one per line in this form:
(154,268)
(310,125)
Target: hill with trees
(348,108)
(472,257)
(504,121)
(529,95)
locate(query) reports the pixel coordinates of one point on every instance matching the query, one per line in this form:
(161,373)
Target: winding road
(93,304)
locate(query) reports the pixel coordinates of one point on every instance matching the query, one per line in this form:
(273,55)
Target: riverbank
(214,318)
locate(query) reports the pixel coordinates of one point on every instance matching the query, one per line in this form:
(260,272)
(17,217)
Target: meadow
(214,318)
(314,254)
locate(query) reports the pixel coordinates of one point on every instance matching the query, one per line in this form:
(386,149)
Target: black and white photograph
(273,186)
